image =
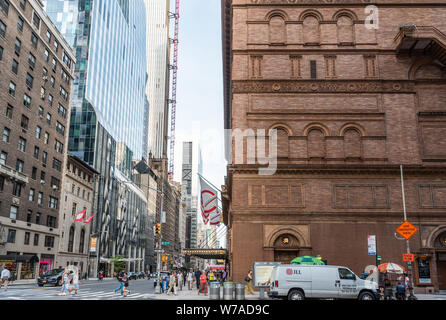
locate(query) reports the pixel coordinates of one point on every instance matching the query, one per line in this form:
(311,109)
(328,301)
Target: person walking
(172,284)
(223,277)
(190,279)
(121,283)
(203,284)
(180,280)
(64,289)
(211,276)
(400,291)
(184,277)
(75,282)
(4,278)
(248,279)
(197,278)
(125,281)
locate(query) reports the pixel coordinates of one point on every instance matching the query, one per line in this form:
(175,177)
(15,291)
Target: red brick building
(350,103)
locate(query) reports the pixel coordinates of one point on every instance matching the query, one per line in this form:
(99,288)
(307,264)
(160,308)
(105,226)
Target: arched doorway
(286,248)
(440,246)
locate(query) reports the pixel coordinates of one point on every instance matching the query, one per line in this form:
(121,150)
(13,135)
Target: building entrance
(441,271)
(286,248)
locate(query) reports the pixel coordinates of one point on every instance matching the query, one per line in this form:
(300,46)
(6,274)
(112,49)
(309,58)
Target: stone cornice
(391,169)
(345,2)
(323,86)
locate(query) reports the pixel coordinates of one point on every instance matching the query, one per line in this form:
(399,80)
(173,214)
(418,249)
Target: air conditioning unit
(45,78)
(42,181)
(42,96)
(15,201)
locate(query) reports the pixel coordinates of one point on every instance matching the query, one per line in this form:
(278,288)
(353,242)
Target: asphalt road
(89,290)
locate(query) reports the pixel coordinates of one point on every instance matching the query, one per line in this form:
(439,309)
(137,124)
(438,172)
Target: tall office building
(157,89)
(36,66)
(107,118)
(192,164)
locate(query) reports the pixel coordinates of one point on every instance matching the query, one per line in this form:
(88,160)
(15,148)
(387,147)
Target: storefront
(46,263)
(22,267)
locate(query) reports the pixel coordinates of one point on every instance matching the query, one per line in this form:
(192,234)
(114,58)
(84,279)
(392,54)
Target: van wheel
(296,295)
(366,296)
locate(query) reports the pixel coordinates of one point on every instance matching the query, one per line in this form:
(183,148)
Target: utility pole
(409,264)
(158,263)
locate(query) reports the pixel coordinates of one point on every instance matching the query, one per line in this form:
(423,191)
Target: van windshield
(346,274)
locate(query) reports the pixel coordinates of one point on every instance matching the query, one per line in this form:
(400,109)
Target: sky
(200,86)
(199,113)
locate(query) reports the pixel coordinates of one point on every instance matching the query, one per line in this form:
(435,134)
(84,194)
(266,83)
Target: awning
(20,258)
(217,267)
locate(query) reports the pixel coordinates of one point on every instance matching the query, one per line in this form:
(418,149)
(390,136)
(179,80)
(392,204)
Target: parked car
(53,277)
(132,276)
(299,282)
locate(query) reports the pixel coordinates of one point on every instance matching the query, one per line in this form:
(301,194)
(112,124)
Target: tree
(118,265)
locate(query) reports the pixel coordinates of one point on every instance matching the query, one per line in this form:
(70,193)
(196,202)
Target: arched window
(352,143)
(82,241)
(311,30)
(277,31)
(71,240)
(316,144)
(282,143)
(345,30)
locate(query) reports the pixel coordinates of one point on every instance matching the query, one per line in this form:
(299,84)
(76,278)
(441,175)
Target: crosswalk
(83,294)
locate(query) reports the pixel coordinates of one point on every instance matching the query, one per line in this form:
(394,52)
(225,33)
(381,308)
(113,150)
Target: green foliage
(118,265)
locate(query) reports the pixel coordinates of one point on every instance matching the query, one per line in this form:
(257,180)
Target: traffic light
(158,229)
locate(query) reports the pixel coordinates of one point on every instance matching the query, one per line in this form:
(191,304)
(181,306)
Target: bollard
(228,291)
(240,291)
(214,291)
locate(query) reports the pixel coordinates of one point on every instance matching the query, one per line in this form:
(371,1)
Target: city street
(89,290)
(140,290)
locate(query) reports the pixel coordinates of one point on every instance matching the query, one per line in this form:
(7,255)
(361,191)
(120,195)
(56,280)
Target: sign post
(407,230)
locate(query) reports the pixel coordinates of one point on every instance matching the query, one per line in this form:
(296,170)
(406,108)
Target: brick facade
(350,104)
(34,94)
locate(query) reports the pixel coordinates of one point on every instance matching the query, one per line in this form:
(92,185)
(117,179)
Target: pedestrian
(203,284)
(75,282)
(400,291)
(184,277)
(180,280)
(248,279)
(223,277)
(387,289)
(125,281)
(4,278)
(172,284)
(120,275)
(197,278)
(211,276)
(190,279)
(64,289)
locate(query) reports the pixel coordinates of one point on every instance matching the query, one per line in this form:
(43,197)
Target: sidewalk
(185,294)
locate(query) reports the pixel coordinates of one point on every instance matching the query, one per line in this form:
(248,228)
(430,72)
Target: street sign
(371,243)
(407,230)
(165,243)
(408,257)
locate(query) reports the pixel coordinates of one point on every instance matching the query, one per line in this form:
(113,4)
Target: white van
(298,282)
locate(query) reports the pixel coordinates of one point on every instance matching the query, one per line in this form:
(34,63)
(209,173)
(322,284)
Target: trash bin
(228,291)
(240,291)
(214,291)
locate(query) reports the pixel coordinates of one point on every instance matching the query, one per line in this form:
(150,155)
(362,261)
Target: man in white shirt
(5,278)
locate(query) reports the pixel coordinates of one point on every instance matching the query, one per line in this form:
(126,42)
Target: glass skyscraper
(109,37)
(109,107)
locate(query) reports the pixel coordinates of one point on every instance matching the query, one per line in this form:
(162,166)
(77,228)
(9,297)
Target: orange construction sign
(408,257)
(406,230)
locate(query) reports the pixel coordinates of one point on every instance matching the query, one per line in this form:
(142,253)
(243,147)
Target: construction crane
(173,100)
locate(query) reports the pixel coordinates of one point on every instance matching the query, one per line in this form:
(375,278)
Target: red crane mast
(173,100)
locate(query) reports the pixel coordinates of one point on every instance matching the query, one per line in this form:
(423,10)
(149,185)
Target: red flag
(89,219)
(80,216)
